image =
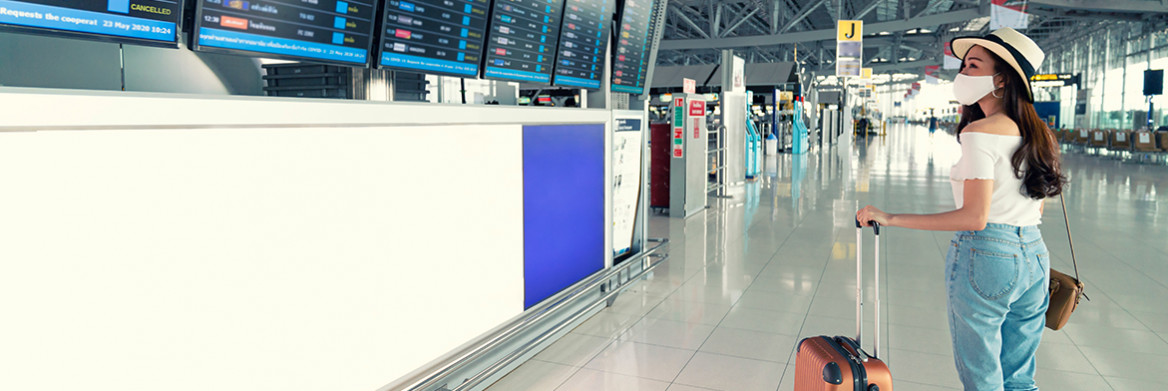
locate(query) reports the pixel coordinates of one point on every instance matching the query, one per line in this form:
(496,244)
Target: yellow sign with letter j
(850,30)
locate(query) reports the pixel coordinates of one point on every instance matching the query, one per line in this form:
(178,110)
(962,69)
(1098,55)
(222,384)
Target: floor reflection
(775,261)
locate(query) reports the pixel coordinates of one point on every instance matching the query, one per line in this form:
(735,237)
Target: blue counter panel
(563,207)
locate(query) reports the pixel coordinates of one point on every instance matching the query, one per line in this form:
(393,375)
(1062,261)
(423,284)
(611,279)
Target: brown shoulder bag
(1065,291)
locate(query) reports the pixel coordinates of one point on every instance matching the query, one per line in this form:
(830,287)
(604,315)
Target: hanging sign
(849,48)
(951,61)
(931,74)
(1012,15)
(1053,80)
(850,31)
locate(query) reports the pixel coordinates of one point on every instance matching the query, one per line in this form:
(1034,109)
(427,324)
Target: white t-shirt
(987,156)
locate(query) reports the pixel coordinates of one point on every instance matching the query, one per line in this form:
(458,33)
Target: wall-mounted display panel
(630,60)
(583,43)
(331,31)
(142,22)
(522,41)
(434,36)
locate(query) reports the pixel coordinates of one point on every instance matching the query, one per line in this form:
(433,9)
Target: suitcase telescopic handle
(860,285)
(873,223)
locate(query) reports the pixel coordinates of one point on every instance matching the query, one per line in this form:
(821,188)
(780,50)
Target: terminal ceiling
(900,36)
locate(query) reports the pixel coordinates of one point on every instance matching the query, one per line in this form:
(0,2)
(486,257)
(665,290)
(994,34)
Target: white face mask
(970,89)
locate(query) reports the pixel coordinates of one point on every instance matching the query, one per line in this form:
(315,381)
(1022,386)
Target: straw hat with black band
(1016,49)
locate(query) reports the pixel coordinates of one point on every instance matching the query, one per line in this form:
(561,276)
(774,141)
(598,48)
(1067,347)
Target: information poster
(150,22)
(338,31)
(434,36)
(627,148)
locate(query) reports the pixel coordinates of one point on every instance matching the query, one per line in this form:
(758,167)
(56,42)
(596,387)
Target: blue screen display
(583,43)
(130,21)
(336,31)
(630,60)
(434,36)
(563,207)
(522,38)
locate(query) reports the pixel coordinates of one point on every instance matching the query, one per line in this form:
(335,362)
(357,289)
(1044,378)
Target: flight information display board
(522,41)
(630,61)
(434,36)
(583,41)
(146,22)
(334,31)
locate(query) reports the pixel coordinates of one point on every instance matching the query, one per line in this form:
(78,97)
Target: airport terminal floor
(754,273)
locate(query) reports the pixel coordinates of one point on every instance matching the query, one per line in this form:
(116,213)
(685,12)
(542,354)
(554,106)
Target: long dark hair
(1042,176)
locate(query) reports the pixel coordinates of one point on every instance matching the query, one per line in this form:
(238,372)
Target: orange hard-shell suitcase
(826,363)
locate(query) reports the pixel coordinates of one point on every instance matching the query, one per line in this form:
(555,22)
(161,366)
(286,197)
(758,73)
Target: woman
(997,268)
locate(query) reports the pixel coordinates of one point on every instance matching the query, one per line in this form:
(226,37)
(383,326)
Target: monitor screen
(434,36)
(630,60)
(583,41)
(330,31)
(522,41)
(144,22)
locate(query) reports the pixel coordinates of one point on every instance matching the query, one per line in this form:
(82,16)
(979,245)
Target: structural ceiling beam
(802,14)
(688,21)
(740,21)
(1118,6)
(871,6)
(821,35)
(775,8)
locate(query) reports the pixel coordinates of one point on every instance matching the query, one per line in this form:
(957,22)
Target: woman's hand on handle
(869,213)
(972,216)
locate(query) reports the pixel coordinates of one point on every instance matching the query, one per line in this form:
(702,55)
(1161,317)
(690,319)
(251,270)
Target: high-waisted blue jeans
(998,285)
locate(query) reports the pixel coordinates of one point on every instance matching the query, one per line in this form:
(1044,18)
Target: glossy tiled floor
(754,273)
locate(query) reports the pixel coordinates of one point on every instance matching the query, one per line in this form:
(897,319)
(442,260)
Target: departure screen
(522,41)
(434,36)
(583,41)
(630,61)
(337,31)
(149,22)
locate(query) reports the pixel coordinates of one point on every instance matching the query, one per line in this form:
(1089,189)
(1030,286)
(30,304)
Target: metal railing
(718,154)
(435,377)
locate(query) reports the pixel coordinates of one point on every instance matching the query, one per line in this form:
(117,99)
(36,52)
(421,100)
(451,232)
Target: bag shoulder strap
(1063,202)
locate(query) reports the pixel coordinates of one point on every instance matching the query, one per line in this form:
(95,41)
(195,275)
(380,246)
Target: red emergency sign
(697,107)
